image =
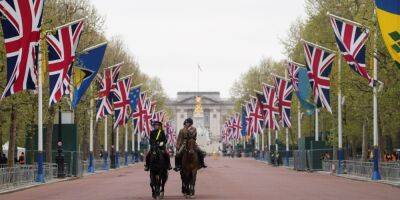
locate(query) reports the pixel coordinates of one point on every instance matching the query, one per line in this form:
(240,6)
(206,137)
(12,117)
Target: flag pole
(105,154)
(117,148)
(276,147)
(269,139)
(139,138)
(298,120)
(376,174)
(287,135)
(340,133)
(287,146)
(91,154)
(41,64)
(316,125)
(126,144)
(133,144)
(262,142)
(244,144)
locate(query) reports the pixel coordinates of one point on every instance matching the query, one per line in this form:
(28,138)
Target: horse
(158,172)
(190,165)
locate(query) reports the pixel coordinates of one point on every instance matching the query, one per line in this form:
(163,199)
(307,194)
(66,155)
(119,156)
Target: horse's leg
(163,181)
(194,181)
(158,185)
(183,182)
(152,182)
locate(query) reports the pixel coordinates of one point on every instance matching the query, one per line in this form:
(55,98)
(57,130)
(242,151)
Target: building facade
(214,107)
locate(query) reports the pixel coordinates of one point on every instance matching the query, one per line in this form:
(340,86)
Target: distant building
(214,110)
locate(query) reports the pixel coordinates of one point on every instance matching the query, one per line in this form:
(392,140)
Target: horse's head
(191,145)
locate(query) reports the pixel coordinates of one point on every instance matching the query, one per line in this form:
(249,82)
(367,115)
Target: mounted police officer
(158,140)
(188,131)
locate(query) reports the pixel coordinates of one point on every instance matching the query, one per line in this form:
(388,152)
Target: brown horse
(190,165)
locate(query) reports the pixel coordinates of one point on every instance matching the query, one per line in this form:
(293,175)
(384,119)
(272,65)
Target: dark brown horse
(190,165)
(158,172)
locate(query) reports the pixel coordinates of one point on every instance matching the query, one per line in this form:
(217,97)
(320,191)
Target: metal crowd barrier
(389,170)
(291,162)
(20,175)
(98,165)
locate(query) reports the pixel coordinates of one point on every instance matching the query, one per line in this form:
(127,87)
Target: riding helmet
(188,120)
(157,122)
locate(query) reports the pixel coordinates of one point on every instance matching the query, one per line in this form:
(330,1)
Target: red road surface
(225,178)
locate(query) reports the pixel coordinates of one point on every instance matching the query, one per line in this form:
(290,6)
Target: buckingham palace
(213,110)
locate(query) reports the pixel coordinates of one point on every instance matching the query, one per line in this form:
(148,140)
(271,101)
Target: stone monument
(203,135)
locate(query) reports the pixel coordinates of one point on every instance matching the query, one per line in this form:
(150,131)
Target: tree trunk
(85,139)
(13,137)
(31,154)
(49,134)
(364,154)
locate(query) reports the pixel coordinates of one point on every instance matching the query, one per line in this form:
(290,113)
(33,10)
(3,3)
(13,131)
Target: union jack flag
(121,101)
(249,122)
(171,137)
(61,49)
(21,21)
(272,111)
(260,107)
(230,128)
(146,116)
(106,84)
(236,127)
(319,65)
(138,114)
(283,89)
(351,40)
(293,73)
(225,133)
(159,116)
(152,108)
(256,116)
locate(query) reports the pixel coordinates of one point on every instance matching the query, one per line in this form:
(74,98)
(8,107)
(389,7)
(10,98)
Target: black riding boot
(167,158)
(178,164)
(201,159)
(146,165)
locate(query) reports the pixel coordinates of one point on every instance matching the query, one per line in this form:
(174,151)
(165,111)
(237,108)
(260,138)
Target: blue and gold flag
(243,121)
(304,92)
(87,66)
(388,14)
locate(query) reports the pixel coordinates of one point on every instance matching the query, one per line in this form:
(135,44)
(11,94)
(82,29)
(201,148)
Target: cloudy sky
(169,38)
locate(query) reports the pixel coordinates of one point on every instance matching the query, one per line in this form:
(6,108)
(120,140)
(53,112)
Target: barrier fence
(99,163)
(389,170)
(21,175)
(315,160)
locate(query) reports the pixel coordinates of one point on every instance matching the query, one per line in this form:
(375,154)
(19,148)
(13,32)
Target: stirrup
(177,169)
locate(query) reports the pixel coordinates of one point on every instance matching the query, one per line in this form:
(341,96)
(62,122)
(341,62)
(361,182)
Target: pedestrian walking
(21,159)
